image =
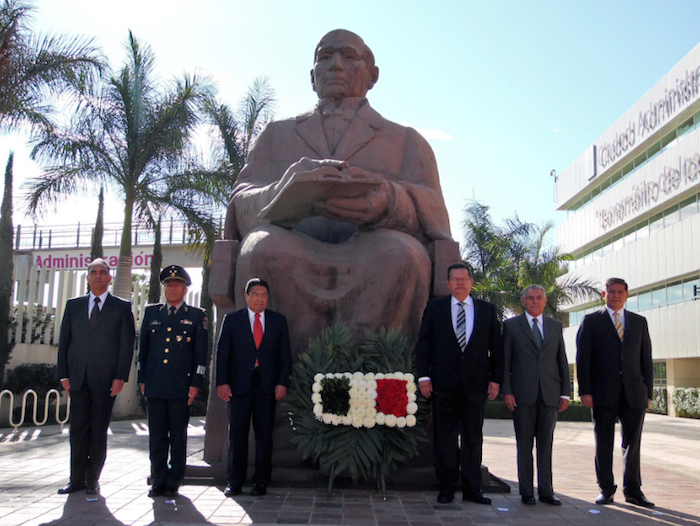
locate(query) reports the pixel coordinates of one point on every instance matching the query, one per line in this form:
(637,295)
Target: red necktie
(257,334)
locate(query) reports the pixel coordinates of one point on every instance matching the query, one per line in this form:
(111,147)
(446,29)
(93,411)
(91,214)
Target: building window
(660,373)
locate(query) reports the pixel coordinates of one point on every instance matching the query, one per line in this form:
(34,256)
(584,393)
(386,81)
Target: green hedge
(576,412)
(659,403)
(38,376)
(686,401)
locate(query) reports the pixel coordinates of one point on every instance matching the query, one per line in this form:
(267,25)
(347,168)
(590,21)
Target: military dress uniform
(173,355)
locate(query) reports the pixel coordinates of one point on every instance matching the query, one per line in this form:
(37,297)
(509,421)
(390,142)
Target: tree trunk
(122,287)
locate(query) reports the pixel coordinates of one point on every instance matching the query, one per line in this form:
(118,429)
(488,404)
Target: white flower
(371,385)
(391,420)
(411,408)
(390,376)
(354,392)
(401,421)
(361,403)
(372,394)
(381,418)
(347,375)
(410,387)
(379,376)
(335,420)
(357,421)
(371,412)
(410,420)
(369,376)
(368,422)
(362,385)
(327,418)
(347,420)
(318,409)
(318,377)
(330,375)
(360,412)
(399,375)
(357,375)
(316,387)
(409,377)
(316,398)
(411,397)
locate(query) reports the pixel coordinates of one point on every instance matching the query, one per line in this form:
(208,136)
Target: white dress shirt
(91,302)
(621,313)
(251,318)
(540,322)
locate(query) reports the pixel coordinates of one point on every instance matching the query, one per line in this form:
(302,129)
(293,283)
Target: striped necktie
(461,327)
(536,333)
(618,326)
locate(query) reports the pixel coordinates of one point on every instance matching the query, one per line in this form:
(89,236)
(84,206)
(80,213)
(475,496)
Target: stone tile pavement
(34,464)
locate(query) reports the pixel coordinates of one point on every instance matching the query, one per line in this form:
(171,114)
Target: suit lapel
(309,128)
(525,327)
(362,130)
(607,321)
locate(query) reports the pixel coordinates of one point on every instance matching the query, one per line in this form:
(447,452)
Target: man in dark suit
(253,362)
(95,348)
(615,376)
(460,363)
(535,386)
(172,363)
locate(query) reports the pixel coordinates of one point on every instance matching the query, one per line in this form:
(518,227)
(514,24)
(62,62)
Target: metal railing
(173,232)
(33,393)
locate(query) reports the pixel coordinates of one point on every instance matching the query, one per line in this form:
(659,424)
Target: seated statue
(335,207)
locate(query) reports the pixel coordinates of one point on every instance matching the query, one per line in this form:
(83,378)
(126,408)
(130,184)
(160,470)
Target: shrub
(686,400)
(659,402)
(38,376)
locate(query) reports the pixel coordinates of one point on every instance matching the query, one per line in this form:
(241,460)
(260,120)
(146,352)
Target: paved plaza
(34,464)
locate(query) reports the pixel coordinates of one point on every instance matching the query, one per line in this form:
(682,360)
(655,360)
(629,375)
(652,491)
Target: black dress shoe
(71,488)
(232,491)
(604,499)
(446,496)
(92,489)
(156,491)
(638,499)
(530,501)
(552,500)
(171,492)
(258,491)
(477,497)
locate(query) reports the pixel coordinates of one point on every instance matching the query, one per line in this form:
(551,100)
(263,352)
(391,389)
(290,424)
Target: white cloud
(431,133)
(555,130)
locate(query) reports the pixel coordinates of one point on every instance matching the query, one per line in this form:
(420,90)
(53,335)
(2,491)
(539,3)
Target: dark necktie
(536,332)
(94,315)
(172,312)
(461,327)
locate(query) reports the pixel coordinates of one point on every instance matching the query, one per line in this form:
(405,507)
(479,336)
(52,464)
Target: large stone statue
(336,206)
(340,211)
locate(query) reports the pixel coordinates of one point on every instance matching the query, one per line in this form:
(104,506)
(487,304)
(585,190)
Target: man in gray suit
(95,349)
(535,386)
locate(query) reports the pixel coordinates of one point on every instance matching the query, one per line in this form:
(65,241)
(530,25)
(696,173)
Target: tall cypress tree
(6,267)
(156,262)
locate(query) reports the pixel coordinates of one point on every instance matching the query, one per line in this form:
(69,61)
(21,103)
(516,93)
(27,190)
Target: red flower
(392,398)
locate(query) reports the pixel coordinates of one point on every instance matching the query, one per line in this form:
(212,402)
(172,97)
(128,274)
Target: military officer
(172,363)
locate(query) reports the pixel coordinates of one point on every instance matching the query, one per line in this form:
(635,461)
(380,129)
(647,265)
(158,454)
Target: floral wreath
(354,408)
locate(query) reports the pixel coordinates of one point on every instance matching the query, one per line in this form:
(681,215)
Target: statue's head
(343,66)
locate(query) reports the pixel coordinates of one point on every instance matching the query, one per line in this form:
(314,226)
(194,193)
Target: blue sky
(504,91)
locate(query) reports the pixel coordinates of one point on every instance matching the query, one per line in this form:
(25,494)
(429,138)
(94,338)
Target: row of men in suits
(463,358)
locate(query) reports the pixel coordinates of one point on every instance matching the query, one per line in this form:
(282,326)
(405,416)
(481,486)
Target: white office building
(632,200)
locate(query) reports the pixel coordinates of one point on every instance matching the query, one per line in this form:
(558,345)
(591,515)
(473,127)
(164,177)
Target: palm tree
(133,135)
(33,67)
(506,259)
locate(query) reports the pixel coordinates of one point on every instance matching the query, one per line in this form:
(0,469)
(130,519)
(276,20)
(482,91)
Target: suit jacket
(236,353)
(440,357)
(529,369)
(173,352)
(373,143)
(606,365)
(96,357)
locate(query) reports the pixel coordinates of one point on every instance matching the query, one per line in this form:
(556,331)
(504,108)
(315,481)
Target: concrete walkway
(34,464)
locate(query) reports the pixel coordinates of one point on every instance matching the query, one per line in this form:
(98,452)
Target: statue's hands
(313,170)
(361,209)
